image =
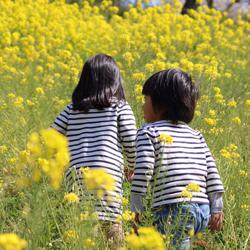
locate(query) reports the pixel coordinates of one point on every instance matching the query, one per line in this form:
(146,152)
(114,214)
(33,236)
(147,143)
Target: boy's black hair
(173,92)
(99,84)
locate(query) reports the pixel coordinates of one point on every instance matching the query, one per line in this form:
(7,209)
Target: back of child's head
(173,93)
(100,83)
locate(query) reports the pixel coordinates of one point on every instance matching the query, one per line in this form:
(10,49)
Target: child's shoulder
(168,126)
(120,104)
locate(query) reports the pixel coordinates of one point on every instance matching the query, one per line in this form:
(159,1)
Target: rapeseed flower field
(43,45)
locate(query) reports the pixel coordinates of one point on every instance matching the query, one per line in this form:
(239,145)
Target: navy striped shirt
(169,168)
(98,139)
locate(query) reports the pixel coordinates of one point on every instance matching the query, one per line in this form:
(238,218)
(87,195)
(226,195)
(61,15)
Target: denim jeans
(181,220)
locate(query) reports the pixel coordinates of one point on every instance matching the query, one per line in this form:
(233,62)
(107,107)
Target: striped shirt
(98,139)
(169,168)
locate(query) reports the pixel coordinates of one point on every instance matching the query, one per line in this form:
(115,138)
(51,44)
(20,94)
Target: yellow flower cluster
(126,216)
(46,153)
(189,189)
(166,139)
(236,120)
(71,198)
(210,121)
(186,194)
(245,207)
(98,181)
(89,242)
(70,234)
(148,238)
(138,94)
(243,173)
(10,241)
(230,153)
(193,187)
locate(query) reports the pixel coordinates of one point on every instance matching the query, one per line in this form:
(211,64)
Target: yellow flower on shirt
(166,139)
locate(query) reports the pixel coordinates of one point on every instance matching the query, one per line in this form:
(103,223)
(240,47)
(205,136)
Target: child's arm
(144,168)
(216,208)
(127,132)
(215,190)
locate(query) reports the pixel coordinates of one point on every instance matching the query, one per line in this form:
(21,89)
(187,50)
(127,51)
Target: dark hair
(172,90)
(99,84)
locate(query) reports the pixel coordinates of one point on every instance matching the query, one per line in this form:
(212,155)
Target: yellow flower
(232,104)
(70,234)
(39,90)
(199,235)
(84,216)
(99,181)
(44,164)
(47,152)
(230,153)
(197,113)
(89,242)
(19,102)
(236,120)
(12,160)
(212,112)
(215,131)
(245,207)
(232,147)
(124,201)
(217,90)
(148,239)
(210,121)
(204,98)
(126,216)
(247,102)
(165,138)
(243,173)
(11,95)
(139,77)
(30,103)
(186,194)
(191,232)
(3,149)
(225,153)
(71,198)
(24,156)
(128,57)
(138,93)
(39,69)
(193,187)
(10,241)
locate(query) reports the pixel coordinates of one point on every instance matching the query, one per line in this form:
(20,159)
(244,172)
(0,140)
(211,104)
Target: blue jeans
(180,220)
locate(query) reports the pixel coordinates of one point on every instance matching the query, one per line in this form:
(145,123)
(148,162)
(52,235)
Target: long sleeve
(61,121)
(145,161)
(127,132)
(214,183)
(216,202)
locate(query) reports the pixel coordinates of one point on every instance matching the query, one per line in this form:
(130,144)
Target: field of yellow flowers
(43,45)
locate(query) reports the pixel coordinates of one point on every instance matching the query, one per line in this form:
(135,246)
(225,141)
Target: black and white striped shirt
(98,139)
(169,168)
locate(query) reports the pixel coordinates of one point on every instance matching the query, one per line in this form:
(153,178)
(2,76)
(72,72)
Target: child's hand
(136,222)
(129,174)
(216,221)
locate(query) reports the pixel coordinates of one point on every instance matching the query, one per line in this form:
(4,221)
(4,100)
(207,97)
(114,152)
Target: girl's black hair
(173,92)
(99,84)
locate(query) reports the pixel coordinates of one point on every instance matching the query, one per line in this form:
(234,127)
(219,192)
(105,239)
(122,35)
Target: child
(175,160)
(100,126)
